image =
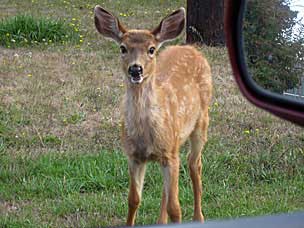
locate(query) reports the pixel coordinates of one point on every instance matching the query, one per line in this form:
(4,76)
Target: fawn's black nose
(135,70)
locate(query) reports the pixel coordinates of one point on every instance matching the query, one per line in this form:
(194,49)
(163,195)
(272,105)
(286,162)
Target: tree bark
(205,22)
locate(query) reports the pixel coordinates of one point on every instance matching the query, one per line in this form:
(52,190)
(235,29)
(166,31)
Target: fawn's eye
(123,50)
(151,50)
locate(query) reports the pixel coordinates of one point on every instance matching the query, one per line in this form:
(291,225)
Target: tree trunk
(205,22)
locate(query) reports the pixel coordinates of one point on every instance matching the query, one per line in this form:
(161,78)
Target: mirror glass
(273,34)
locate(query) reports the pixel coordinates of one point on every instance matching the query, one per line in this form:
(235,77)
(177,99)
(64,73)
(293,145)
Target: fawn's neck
(141,109)
(140,97)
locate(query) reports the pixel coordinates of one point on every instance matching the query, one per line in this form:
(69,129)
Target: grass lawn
(61,164)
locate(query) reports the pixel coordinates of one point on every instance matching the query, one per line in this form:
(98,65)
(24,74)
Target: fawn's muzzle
(136,73)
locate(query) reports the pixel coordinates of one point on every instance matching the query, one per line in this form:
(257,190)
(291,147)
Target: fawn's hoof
(199,218)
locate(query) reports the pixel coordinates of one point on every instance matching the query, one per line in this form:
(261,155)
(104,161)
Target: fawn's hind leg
(198,139)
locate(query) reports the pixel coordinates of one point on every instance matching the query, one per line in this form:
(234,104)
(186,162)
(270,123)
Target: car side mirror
(265,41)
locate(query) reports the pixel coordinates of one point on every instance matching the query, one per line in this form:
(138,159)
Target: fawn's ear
(107,24)
(171,26)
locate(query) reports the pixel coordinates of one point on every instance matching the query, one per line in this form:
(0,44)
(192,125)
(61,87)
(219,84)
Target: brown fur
(169,106)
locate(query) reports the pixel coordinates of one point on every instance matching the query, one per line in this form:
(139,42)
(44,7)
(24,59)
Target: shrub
(25,30)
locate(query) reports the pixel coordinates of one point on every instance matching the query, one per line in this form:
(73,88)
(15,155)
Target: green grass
(68,185)
(61,163)
(24,30)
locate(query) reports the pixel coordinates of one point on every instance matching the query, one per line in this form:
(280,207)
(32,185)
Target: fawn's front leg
(170,202)
(163,217)
(137,174)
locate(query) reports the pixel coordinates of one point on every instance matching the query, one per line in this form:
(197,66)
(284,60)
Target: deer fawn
(166,101)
